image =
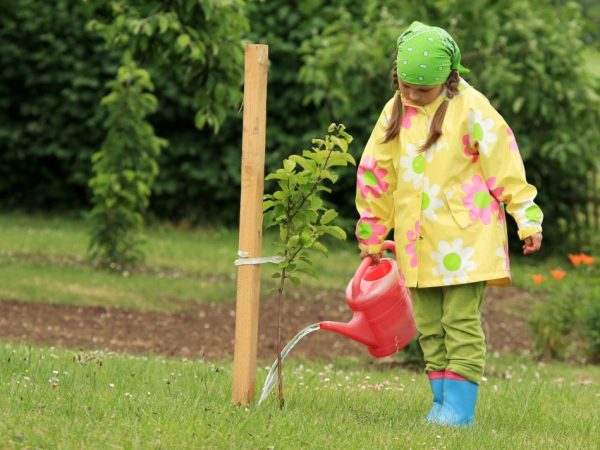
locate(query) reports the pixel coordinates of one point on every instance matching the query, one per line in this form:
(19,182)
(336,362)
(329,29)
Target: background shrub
(330,62)
(566,323)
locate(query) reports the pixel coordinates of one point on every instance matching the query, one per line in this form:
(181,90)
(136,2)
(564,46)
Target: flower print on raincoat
(457,193)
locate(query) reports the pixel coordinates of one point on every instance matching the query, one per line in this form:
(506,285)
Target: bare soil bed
(207,331)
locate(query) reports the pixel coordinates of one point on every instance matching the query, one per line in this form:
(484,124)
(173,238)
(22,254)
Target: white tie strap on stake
(246,260)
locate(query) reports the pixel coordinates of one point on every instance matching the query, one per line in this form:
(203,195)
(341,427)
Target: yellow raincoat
(447,204)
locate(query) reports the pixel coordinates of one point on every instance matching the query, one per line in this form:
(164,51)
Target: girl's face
(420,95)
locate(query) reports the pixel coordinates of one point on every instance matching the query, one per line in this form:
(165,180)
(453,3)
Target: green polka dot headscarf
(427,55)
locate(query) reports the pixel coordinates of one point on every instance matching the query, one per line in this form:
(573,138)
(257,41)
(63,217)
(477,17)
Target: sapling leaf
(341,143)
(268,204)
(328,216)
(289,165)
(336,232)
(320,247)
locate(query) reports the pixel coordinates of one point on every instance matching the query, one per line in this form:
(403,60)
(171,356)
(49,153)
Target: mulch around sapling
(207,331)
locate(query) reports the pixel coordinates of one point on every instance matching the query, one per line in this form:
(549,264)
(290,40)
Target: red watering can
(383,319)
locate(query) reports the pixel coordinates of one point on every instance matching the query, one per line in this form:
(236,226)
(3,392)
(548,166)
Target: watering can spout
(358,329)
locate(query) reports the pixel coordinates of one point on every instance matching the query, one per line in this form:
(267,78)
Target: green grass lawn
(54,398)
(58,398)
(44,259)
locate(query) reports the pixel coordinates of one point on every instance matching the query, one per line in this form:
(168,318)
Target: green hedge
(330,62)
(51,82)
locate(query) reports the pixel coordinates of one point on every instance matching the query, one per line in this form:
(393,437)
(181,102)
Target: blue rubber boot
(458,408)
(436,380)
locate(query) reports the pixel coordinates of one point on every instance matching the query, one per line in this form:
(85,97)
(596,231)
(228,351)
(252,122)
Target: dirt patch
(207,331)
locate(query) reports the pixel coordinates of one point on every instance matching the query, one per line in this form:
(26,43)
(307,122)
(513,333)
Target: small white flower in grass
(495,388)
(484,379)
(127,394)
(111,385)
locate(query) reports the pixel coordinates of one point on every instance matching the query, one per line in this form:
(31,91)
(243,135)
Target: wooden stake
(253,173)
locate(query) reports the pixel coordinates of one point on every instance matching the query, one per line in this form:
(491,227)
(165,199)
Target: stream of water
(272,377)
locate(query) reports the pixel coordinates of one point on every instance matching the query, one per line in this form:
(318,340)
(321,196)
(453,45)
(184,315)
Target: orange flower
(575,259)
(537,278)
(558,274)
(587,259)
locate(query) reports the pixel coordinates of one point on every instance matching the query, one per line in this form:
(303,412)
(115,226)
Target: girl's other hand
(532,243)
(375,256)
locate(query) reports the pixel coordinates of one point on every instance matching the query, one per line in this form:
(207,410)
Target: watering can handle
(364,265)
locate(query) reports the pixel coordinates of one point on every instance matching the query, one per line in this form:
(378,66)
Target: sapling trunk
(279,360)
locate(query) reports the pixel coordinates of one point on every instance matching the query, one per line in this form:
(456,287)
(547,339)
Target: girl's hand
(375,256)
(532,243)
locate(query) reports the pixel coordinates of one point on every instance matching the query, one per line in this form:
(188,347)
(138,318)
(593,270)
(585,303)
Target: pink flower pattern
(408,113)
(501,212)
(370,178)
(368,230)
(412,249)
(513,143)
(466,141)
(482,199)
(506,257)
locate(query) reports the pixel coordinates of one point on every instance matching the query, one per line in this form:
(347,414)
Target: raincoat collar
(429,108)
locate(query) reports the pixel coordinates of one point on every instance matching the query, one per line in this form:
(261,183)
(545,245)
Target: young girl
(439,168)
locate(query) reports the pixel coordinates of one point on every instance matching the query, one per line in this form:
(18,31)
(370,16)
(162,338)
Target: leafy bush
(51,82)
(566,322)
(124,169)
(330,61)
(591,325)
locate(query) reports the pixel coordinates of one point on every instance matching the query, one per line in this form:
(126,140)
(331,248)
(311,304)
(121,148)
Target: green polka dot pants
(449,322)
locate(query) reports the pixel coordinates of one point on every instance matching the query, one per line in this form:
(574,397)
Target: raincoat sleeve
(503,168)
(375,185)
